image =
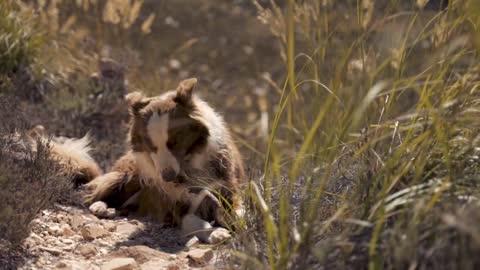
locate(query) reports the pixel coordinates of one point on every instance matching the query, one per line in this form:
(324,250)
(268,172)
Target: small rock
(141,254)
(68,248)
(199,257)
(68,232)
(77,237)
(120,264)
(173,266)
(35,237)
(67,241)
(54,230)
(127,228)
(109,226)
(158,264)
(58,218)
(76,222)
(193,242)
(40,262)
(52,251)
(101,243)
(72,265)
(93,231)
(87,250)
(91,218)
(61,264)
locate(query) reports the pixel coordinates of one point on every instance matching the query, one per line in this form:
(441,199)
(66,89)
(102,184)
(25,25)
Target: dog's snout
(169,175)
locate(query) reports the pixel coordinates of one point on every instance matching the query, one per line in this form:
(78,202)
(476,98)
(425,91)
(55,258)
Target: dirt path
(68,237)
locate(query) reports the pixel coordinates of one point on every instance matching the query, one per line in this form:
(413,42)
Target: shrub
(30,180)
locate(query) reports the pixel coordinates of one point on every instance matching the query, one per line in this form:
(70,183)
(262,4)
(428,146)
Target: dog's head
(167,128)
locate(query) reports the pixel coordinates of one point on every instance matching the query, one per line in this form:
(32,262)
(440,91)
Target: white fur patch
(79,147)
(157,129)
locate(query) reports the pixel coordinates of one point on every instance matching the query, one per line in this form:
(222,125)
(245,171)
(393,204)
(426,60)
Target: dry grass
(373,154)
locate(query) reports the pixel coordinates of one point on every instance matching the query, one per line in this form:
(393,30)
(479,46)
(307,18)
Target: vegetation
(30,180)
(19,39)
(358,119)
(385,169)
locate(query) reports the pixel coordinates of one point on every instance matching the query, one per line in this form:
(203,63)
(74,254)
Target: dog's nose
(169,175)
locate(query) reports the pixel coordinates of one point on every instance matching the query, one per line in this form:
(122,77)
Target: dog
(182,164)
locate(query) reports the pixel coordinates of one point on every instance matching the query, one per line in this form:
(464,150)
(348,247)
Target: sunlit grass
(410,156)
(19,38)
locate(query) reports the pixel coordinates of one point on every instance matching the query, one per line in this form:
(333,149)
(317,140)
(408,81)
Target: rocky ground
(69,237)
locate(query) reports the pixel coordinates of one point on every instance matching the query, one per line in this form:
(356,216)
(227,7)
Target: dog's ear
(136,100)
(185,89)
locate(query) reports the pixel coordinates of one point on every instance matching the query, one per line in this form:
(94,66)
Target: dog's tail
(74,154)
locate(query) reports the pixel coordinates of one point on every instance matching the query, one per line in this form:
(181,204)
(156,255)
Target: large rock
(120,264)
(141,254)
(93,231)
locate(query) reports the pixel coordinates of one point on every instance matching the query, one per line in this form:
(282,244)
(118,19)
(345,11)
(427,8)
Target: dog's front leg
(194,225)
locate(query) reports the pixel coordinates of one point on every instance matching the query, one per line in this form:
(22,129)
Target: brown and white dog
(183,163)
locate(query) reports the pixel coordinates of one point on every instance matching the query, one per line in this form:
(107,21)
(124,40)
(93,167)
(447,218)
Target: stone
(109,226)
(68,248)
(87,250)
(72,265)
(141,254)
(52,251)
(120,264)
(93,231)
(68,232)
(101,243)
(199,257)
(67,241)
(76,221)
(127,228)
(159,264)
(54,230)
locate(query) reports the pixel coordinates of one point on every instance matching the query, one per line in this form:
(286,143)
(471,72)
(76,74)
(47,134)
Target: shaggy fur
(73,154)
(182,163)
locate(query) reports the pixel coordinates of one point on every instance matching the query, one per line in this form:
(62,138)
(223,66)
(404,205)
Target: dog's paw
(218,235)
(101,210)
